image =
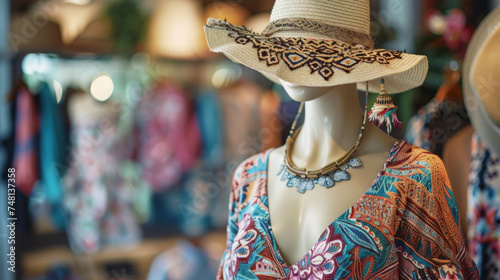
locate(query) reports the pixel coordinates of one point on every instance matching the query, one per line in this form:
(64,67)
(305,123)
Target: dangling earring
(384,111)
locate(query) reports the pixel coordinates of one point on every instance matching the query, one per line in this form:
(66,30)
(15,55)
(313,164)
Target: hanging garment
(199,200)
(404,227)
(25,154)
(484,209)
(167,136)
(183,262)
(96,198)
(209,118)
(52,161)
(435,123)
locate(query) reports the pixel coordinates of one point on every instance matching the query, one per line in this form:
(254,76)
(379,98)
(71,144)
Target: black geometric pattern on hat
(321,56)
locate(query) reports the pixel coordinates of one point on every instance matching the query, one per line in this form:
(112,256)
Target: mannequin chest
(298,220)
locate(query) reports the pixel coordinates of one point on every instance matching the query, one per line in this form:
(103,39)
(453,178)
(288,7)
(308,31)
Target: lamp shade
(235,14)
(175,29)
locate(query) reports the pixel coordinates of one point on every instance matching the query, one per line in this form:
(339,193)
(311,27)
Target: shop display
(127,145)
(393,229)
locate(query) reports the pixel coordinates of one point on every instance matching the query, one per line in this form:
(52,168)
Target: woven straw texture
(351,14)
(401,74)
(481,77)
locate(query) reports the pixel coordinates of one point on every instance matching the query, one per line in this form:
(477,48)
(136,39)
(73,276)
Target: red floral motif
(242,245)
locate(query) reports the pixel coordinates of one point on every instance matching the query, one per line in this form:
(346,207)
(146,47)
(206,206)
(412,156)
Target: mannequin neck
(331,127)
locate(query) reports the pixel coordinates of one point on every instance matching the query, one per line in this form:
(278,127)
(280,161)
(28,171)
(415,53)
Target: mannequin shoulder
(417,161)
(457,149)
(457,159)
(250,175)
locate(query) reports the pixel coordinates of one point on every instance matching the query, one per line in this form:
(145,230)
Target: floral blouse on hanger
(404,227)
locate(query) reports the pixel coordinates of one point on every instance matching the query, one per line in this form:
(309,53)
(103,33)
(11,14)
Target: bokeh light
(58,90)
(102,87)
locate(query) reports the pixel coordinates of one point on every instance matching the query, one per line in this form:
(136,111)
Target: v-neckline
(395,148)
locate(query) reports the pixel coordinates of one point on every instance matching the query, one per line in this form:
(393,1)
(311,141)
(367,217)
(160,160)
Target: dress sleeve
(429,240)
(232,226)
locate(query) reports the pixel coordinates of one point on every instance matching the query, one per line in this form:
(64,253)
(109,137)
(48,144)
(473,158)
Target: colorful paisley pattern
(404,227)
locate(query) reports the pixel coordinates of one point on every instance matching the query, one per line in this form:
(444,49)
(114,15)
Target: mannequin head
(305,94)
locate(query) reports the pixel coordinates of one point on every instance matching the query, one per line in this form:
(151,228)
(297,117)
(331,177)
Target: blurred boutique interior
(124,130)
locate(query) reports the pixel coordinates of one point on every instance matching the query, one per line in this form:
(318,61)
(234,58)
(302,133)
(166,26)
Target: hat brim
(315,62)
(488,131)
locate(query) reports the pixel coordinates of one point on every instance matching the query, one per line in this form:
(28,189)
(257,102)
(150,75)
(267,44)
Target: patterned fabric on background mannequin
(167,135)
(442,117)
(484,209)
(96,198)
(435,123)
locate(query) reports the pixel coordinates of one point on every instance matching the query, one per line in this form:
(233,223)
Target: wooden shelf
(92,266)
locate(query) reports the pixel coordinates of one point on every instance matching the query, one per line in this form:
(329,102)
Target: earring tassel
(384,111)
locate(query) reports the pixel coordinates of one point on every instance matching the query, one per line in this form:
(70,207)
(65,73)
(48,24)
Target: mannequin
(341,200)
(457,155)
(332,120)
(472,157)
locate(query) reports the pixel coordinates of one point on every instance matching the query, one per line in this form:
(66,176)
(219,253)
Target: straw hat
(318,43)
(481,80)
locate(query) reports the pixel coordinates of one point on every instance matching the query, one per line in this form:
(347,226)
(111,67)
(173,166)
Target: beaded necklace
(335,172)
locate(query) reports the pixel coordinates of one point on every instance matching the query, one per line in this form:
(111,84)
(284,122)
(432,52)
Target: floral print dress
(404,227)
(97,201)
